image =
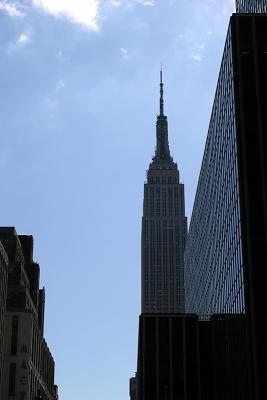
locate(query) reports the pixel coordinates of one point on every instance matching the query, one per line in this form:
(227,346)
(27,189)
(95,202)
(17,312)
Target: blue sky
(79,93)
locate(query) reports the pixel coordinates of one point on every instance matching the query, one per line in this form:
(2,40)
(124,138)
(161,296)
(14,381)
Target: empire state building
(164,228)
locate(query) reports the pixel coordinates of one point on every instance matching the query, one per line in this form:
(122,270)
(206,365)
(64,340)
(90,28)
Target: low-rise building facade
(28,366)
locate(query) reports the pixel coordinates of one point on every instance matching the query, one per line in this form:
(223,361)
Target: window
(14,335)
(12,380)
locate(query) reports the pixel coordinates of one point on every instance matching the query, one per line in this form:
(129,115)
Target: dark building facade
(3,295)
(183,358)
(164,229)
(226,254)
(28,366)
(163,366)
(224,358)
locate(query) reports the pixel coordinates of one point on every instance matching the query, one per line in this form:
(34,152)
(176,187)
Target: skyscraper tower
(164,228)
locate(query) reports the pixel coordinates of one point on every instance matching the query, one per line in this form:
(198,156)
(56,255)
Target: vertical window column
(14,335)
(12,380)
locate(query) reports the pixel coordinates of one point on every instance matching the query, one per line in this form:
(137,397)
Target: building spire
(162,147)
(161,93)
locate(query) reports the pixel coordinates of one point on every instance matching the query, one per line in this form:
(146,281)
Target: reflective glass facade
(226,254)
(251,6)
(213,256)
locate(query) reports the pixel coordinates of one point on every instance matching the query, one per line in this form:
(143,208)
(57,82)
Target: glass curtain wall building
(213,257)
(164,229)
(226,253)
(214,263)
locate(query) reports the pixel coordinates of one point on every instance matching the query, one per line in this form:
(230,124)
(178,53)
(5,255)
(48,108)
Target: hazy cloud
(50,105)
(11,9)
(198,52)
(84,12)
(196,57)
(62,57)
(115,3)
(60,85)
(23,38)
(129,3)
(50,101)
(146,2)
(124,54)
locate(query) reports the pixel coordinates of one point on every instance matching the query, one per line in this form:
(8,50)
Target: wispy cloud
(206,18)
(12,9)
(51,101)
(115,3)
(150,3)
(23,38)
(198,51)
(129,3)
(50,105)
(60,85)
(124,54)
(196,57)
(84,12)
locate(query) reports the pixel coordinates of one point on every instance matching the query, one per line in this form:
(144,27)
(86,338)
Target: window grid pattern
(251,6)
(213,257)
(164,229)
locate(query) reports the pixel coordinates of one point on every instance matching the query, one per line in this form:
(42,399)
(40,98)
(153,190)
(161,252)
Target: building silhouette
(222,354)
(226,257)
(182,358)
(172,348)
(216,349)
(3,295)
(28,366)
(164,229)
